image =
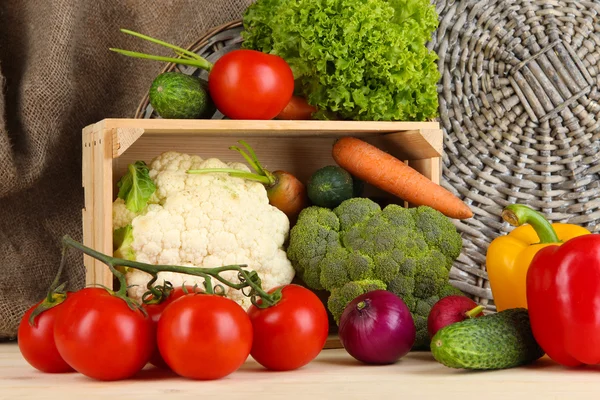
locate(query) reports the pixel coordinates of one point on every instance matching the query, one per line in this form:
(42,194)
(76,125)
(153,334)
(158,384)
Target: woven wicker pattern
(519,105)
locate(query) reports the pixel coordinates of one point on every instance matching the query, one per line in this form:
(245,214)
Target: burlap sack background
(57,76)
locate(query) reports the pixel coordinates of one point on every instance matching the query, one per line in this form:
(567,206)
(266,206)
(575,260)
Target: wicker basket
(519,106)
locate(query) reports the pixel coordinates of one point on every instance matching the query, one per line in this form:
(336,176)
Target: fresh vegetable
(203,220)
(449,310)
(358,247)
(35,338)
(35,335)
(154,309)
(384,171)
(136,187)
(297,109)
(287,314)
(291,333)
(360,59)
(100,336)
(495,341)
(205,337)
(244,84)
(563,295)
(377,328)
(329,186)
(284,190)
(178,95)
(508,257)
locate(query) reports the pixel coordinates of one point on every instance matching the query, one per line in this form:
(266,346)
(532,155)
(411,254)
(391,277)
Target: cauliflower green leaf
(136,187)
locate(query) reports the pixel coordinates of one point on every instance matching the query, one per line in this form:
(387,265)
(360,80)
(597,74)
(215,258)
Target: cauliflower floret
(121,216)
(207,220)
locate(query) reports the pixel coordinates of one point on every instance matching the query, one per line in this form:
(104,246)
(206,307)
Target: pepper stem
(474,311)
(518,214)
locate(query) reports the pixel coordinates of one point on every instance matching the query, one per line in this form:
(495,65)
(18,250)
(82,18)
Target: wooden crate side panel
(102,145)
(300,156)
(270,127)
(429,167)
(88,210)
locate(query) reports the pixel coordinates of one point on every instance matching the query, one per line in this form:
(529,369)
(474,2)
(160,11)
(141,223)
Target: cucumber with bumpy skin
(496,341)
(176,95)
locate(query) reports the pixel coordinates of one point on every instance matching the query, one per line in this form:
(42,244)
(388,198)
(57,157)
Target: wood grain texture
(332,375)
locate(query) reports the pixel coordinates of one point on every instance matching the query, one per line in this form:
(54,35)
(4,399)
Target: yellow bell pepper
(508,257)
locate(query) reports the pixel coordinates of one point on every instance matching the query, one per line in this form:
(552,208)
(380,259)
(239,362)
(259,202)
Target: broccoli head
(358,247)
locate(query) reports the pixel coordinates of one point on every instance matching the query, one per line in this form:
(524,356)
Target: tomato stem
(247,278)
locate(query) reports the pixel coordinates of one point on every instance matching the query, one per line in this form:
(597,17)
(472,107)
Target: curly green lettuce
(353,59)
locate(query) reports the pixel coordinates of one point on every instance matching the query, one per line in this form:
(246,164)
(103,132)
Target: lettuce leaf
(357,59)
(136,187)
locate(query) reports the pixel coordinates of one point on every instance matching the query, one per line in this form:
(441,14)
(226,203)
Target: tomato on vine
(101,336)
(204,336)
(291,333)
(35,338)
(155,311)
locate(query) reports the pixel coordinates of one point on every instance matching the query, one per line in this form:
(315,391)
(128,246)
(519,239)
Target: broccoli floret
(355,210)
(340,297)
(358,247)
(438,231)
(334,271)
(311,241)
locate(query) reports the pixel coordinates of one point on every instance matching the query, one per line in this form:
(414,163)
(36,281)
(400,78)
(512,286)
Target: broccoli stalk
(358,247)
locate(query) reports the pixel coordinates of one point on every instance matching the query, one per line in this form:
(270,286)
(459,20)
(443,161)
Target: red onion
(377,328)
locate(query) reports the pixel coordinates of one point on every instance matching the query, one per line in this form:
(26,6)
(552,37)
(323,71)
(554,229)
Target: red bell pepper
(563,297)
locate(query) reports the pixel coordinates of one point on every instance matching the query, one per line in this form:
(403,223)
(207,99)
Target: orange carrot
(297,109)
(387,173)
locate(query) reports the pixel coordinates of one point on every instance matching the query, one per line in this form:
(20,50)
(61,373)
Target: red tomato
(36,342)
(155,311)
(203,336)
(249,84)
(291,333)
(101,337)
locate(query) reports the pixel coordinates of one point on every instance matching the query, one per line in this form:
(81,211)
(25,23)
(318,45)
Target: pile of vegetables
(326,59)
(197,332)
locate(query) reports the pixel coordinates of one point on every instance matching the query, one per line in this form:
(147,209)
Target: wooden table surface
(333,375)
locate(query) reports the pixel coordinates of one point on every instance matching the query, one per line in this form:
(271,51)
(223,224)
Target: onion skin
(449,310)
(377,328)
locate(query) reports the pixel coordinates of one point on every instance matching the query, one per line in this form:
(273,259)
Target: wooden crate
(300,147)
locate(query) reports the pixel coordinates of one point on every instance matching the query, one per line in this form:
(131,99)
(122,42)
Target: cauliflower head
(203,220)
(358,247)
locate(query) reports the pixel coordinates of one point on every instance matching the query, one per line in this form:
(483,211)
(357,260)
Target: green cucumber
(330,186)
(175,95)
(495,341)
